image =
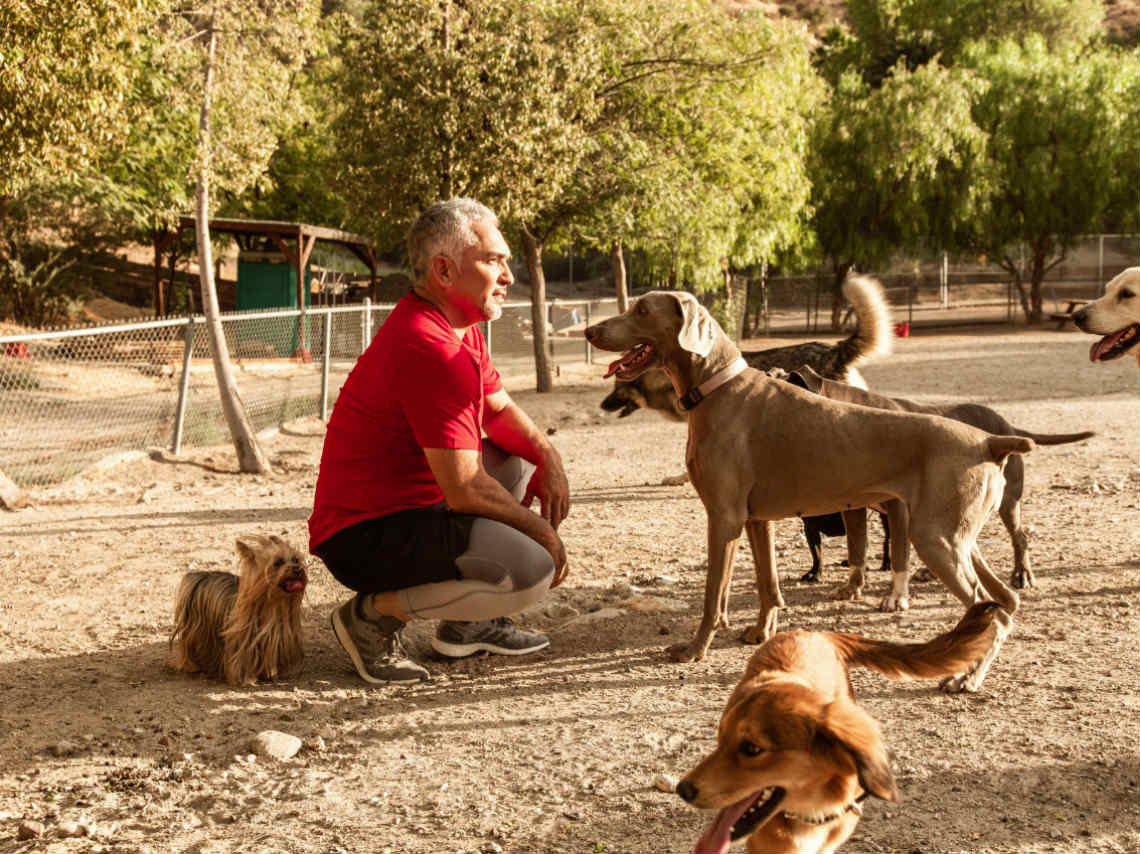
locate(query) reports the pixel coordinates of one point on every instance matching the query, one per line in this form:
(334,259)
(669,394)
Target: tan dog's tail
(949,653)
(1054,438)
(1001,447)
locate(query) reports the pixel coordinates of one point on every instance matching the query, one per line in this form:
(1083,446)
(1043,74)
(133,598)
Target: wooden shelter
(295,240)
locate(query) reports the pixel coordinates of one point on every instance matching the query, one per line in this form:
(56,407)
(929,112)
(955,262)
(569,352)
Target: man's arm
(512,430)
(467,488)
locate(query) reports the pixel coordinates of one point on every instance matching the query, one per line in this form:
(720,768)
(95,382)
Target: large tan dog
(761,449)
(795,754)
(976,415)
(1116,316)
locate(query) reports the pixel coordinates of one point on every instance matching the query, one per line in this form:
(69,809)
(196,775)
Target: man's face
(483,276)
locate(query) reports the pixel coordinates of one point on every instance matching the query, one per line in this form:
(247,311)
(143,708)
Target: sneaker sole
(462,650)
(345,640)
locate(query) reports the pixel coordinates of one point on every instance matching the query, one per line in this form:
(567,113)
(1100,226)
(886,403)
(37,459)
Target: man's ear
(698,329)
(441,269)
(848,728)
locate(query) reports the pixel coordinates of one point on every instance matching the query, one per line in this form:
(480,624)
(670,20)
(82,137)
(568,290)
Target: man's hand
(549,485)
(553,544)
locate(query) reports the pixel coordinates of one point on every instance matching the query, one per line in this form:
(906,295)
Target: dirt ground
(103,747)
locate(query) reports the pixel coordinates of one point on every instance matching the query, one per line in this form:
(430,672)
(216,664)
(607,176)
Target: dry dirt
(103,747)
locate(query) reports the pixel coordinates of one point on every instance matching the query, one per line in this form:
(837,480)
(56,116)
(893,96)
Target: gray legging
(503,570)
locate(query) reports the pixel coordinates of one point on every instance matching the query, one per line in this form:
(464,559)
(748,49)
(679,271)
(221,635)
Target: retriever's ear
(848,728)
(698,329)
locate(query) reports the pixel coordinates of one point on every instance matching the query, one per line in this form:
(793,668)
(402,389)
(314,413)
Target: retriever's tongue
(1102,346)
(717,838)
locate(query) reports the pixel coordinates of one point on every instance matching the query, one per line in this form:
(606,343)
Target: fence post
(589,351)
(183,388)
(944,282)
(550,327)
(366,325)
(1099,265)
(325,366)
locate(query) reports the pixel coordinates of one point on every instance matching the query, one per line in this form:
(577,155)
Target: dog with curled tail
(243,628)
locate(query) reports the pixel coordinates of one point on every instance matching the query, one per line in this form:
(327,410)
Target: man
(414,510)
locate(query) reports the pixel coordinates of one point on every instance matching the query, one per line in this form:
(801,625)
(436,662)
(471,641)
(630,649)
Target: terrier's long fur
(795,754)
(242,629)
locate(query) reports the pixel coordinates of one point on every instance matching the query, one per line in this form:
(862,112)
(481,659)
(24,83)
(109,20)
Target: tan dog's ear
(698,329)
(847,727)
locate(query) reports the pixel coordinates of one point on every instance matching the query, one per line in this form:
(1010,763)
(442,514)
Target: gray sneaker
(376,647)
(501,636)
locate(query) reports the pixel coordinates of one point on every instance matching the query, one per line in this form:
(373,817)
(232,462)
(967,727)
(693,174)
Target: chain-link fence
(69,398)
(944,290)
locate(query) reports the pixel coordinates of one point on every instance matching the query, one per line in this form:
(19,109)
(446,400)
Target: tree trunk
(250,457)
(1041,251)
(532,248)
(617,261)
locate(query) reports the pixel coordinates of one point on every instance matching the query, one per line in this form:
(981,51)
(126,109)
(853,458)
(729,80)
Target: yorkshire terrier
(242,629)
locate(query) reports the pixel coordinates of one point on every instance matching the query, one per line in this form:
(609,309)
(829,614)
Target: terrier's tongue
(294,586)
(716,839)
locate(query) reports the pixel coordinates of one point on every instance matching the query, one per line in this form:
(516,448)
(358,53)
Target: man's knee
(512,472)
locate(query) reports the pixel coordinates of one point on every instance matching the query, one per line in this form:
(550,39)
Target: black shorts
(400,550)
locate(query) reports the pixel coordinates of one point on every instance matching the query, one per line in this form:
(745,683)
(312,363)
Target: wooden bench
(1063,317)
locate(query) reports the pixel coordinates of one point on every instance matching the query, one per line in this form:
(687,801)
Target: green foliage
(893,166)
(49,228)
(65,69)
(916,31)
(697,157)
(1064,147)
(489,99)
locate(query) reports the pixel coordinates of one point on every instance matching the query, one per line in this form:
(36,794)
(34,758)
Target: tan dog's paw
(848,592)
(958,684)
(1022,578)
(755,634)
(686,652)
(722,621)
(894,603)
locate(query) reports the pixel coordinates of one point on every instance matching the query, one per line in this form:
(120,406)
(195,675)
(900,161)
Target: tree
(253,89)
(893,166)
(1064,144)
(487,98)
(696,159)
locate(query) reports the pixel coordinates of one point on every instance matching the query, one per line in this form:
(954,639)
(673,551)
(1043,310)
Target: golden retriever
(795,755)
(1116,316)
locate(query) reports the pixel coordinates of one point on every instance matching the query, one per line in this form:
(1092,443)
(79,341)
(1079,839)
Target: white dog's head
(1116,316)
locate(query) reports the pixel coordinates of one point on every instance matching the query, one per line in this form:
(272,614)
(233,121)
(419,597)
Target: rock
(71,829)
(63,748)
(278,745)
(665,782)
(29,830)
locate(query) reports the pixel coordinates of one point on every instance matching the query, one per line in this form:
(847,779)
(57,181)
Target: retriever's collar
(698,393)
(855,806)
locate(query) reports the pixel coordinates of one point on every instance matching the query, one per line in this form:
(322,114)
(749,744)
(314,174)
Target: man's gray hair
(445,229)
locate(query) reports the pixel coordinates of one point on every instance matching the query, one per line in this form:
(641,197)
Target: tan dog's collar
(855,806)
(695,395)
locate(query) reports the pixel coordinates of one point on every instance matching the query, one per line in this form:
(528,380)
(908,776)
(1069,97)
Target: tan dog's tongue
(716,839)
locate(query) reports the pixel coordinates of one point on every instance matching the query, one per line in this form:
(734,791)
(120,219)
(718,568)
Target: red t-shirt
(416,386)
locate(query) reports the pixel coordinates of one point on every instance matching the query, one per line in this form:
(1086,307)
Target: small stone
(71,829)
(491,848)
(665,782)
(63,748)
(595,616)
(278,745)
(29,830)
